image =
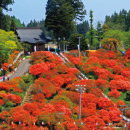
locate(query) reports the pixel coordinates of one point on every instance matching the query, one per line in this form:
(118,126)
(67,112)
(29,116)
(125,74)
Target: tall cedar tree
(4,5)
(91,28)
(59,18)
(60,15)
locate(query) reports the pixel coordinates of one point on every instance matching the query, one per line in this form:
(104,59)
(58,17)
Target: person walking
(3,78)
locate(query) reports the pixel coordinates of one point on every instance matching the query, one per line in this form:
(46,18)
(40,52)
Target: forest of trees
(119,21)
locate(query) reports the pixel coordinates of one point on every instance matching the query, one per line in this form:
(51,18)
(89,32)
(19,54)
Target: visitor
(3,78)
(8,78)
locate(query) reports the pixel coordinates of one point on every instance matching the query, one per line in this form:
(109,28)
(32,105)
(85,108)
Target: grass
(27,57)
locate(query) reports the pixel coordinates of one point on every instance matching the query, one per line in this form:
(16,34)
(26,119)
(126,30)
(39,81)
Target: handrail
(22,52)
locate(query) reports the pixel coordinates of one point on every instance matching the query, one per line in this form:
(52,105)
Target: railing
(1,78)
(15,59)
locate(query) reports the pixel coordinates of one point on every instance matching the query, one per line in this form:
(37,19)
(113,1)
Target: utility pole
(81,89)
(79,46)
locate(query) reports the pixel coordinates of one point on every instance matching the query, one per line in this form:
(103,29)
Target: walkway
(22,69)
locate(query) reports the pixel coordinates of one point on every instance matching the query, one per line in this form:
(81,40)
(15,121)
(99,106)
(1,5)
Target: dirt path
(23,68)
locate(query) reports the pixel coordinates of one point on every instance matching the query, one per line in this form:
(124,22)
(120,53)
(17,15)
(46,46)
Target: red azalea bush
(61,69)
(93,60)
(94,122)
(115,115)
(114,93)
(87,83)
(32,108)
(72,70)
(73,96)
(39,98)
(120,85)
(4,86)
(76,61)
(127,53)
(43,55)
(102,83)
(18,114)
(58,81)
(119,102)
(38,69)
(14,98)
(88,98)
(105,115)
(44,86)
(62,108)
(1,102)
(105,103)
(5,66)
(70,125)
(103,73)
(126,74)
(86,111)
(49,74)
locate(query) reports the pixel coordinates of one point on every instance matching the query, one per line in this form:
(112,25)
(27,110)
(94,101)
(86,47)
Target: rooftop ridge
(29,28)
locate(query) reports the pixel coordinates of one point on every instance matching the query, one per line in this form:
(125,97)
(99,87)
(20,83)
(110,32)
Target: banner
(35,48)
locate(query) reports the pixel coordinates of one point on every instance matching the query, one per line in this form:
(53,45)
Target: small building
(32,36)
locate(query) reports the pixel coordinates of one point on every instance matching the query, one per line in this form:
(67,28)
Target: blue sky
(27,10)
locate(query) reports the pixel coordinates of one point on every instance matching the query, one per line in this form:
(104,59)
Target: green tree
(83,27)
(91,28)
(99,31)
(74,42)
(95,44)
(6,22)
(4,5)
(78,7)
(59,18)
(60,15)
(13,26)
(105,28)
(17,22)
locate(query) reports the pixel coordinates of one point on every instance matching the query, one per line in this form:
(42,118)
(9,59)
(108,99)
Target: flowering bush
(105,115)
(127,53)
(102,83)
(93,122)
(5,66)
(115,115)
(120,85)
(58,81)
(38,69)
(119,102)
(105,103)
(4,86)
(114,93)
(42,85)
(88,98)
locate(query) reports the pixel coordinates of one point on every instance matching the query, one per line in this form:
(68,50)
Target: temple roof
(31,35)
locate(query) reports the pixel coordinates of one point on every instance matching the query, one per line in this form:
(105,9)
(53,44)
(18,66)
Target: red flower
(38,69)
(4,86)
(5,66)
(105,103)
(1,102)
(114,93)
(115,115)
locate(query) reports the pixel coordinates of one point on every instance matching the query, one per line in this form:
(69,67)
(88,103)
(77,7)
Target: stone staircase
(28,96)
